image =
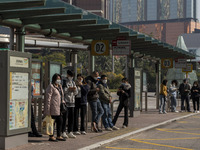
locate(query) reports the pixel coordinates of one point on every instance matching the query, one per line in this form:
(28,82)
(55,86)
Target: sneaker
(181,111)
(64,135)
(83,132)
(71,135)
(176,111)
(197,111)
(77,133)
(160,112)
(164,112)
(124,126)
(108,129)
(115,128)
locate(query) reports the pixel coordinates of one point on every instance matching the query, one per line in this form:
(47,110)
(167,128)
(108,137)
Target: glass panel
(54,68)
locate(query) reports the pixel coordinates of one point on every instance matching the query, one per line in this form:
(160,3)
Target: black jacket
(182,89)
(92,94)
(124,97)
(195,94)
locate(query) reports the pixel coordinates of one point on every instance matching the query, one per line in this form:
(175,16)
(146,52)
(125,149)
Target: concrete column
(11,45)
(158,82)
(74,62)
(20,39)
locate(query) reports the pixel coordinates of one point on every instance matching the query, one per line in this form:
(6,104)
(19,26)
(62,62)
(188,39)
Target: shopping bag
(48,125)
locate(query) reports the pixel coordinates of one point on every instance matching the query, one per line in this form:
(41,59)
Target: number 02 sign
(100,48)
(167,63)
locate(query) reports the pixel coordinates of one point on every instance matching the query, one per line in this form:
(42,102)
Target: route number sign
(100,48)
(167,63)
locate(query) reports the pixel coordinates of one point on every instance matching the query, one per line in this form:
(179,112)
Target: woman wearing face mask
(195,94)
(70,90)
(80,104)
(106,99)
(173,92)
(124,93)
(53,100)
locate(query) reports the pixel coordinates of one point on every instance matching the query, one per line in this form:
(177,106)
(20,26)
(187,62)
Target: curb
(132,133)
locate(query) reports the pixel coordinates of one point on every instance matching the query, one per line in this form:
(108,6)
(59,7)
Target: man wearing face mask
(93,99)
(70,90)
(106,99)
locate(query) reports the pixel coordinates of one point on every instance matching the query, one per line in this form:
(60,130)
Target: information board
(100,48)
(18,117)
(36,78)
(137,93)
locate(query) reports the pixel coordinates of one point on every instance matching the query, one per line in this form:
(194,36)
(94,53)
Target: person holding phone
(70,91)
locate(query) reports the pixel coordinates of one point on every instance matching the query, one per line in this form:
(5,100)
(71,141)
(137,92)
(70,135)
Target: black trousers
(70,119)
(33,127)
(82,110)
(64,124)
(187,99)
(58,121)
(119,109)
(196,101)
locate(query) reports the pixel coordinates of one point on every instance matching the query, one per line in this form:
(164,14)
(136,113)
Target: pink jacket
(52,101)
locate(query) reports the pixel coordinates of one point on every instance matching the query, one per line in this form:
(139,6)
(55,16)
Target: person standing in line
(184,90)
(163,95)
(93,99)
(124,93)
(80,104)
(70,90)
(173,92)
(195,94)
(34,132)
(53,100)
(106,99)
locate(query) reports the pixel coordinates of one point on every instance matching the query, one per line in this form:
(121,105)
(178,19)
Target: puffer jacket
(124,97)
(69,96)
(52,101)
(104,93)
(92,94)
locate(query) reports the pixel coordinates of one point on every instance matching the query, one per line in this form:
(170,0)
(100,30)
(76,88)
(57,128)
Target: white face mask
(70,78)
(104,81)
(58,82)
(95,78)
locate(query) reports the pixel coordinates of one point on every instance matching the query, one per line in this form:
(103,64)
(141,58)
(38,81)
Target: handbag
(63,107)
(48,125)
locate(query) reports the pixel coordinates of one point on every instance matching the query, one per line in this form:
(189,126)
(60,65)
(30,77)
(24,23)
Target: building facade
(99,7)
(162,19)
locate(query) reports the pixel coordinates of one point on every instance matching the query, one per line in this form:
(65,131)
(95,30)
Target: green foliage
(114,80)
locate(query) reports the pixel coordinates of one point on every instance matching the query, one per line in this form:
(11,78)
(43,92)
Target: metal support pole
(74,63)
(12,34)
(158,78)
(113,64)
(127,66)
(146,103)
(40,114)
(20,39)
(91,62)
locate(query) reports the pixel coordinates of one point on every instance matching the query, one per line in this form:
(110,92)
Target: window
(140,10)
(164,10)
(180,9)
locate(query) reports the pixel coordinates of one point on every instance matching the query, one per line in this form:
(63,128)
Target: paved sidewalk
(146,119)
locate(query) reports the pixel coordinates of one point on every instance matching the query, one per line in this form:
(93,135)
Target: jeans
(183,98)
(162,103)
(173,103)
(107,116)
(58,121)
(119,109)
(196,101)
(82,109)
(97,110)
